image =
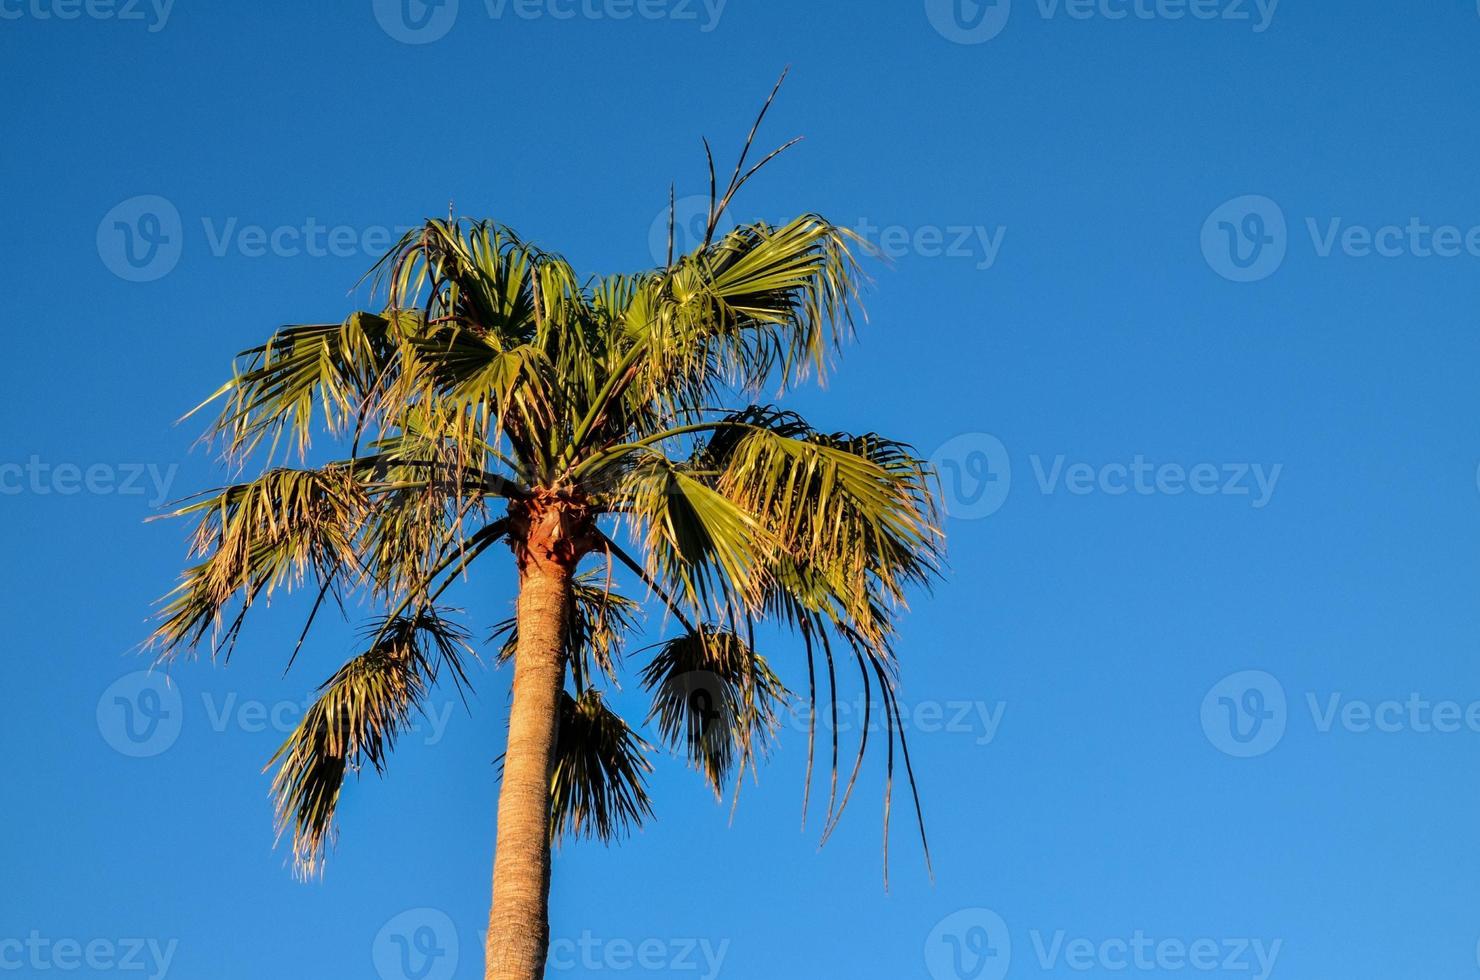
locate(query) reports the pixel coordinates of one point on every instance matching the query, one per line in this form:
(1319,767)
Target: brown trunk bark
(518,924)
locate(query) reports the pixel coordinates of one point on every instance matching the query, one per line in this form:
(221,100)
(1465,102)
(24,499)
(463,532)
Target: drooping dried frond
(255,537)
(714,700)
(599,786)
(359,713)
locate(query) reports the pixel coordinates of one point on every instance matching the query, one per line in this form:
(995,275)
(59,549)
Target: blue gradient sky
(1069,208)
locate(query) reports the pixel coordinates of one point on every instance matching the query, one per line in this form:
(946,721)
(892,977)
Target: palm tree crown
(497,396)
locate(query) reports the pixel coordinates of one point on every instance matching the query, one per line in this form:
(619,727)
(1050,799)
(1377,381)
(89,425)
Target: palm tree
(497,397)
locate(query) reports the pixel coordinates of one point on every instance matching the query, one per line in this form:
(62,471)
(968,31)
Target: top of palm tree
(498,395)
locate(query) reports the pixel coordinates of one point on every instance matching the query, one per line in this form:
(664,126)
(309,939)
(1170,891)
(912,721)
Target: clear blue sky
(1073,297)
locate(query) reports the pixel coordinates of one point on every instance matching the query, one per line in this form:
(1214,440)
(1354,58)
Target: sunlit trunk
(518,924)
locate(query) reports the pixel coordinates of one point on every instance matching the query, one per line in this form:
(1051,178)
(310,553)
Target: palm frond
(715,701)
(764,298)
(695,539)
(359,713)
(762,301)
(599,785)
(338,367)
(257,536)
(856,512)
(851,525)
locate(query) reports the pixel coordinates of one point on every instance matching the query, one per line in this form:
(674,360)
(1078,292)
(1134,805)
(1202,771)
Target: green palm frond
(715,701)
(703,544)
(599,786)
(359,713)
(852,516)
(849,523)
(762,301)
(338,367)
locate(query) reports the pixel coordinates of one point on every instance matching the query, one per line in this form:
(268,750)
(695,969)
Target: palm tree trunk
(519,924)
